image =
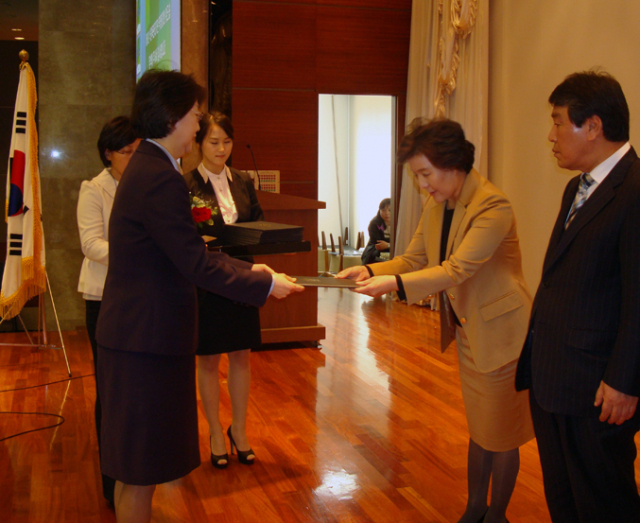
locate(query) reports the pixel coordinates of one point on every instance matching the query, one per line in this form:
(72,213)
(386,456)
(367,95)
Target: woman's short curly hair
(441,140)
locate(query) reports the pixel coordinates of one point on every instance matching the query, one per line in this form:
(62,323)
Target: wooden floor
(369,428)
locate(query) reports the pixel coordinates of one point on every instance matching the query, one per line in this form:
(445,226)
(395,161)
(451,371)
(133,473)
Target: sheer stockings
(483,465)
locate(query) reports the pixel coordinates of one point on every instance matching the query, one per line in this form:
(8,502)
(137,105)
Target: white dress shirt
(601,171)
(220,183)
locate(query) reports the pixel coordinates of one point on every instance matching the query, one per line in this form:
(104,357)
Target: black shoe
(108,489)
(481,520)
(243,455)
(216,460)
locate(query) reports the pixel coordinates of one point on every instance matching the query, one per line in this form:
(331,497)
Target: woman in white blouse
(116,144)
(225,327)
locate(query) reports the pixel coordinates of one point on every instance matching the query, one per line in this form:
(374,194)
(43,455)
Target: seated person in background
(378,234)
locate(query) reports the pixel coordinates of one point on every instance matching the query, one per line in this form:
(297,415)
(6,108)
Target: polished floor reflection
(368,428)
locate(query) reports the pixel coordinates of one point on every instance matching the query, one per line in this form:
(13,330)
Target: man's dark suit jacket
(156,260)
(244,196)
(585,321)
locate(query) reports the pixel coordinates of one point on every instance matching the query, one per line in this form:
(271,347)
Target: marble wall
(87,76)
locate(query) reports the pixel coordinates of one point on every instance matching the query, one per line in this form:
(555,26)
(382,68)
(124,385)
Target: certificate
(324,281)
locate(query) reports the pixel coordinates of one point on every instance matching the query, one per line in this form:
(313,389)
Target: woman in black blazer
(147,326)
(225,326)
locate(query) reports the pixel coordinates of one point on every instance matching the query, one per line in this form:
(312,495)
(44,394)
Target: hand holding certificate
(366,284)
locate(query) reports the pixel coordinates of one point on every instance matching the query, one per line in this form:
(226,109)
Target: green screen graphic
(157,35)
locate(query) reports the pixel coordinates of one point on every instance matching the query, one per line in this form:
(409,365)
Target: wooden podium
(294,318)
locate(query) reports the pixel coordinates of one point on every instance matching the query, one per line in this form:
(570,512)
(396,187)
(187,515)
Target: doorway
(355,160)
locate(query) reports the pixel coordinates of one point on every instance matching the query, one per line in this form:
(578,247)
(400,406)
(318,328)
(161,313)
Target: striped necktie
(581,196)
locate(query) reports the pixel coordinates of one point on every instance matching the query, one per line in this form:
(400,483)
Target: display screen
(157,35)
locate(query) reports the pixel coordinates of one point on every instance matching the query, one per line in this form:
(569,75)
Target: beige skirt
(498,416)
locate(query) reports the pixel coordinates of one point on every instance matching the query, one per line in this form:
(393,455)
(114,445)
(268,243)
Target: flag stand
(25,267)
(42,328)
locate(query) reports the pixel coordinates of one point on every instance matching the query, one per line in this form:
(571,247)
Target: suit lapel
(206,189)
(107,182)
(558,228)
(434,233)
(604,193)
(238,195)
(471,185)
(458,215)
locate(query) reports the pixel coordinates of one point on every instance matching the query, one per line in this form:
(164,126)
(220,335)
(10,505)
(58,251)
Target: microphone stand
(256,166)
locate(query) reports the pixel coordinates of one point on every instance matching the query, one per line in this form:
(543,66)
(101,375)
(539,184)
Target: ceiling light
(17,29)
(19,38)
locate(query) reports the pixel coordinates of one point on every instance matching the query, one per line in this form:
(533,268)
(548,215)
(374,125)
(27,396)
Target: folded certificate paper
(324,281)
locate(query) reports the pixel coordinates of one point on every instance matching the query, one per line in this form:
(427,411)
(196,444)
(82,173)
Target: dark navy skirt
(225,325)
(149,416)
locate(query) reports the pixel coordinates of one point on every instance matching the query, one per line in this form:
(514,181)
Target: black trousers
(587,467)
(92,312)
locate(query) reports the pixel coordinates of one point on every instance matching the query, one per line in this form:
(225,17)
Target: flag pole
(26,250)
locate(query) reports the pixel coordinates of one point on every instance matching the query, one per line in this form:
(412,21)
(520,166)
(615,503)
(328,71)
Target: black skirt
(225,325)
(149,416)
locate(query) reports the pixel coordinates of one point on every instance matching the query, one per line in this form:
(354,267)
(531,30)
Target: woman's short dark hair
(594,93)
(441,140)
(383,205)
(116,134)
(214,118)
(162,99)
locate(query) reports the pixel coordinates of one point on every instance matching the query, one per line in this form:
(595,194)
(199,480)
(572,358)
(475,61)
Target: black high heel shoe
(243,455)
(483,515)
(217,459)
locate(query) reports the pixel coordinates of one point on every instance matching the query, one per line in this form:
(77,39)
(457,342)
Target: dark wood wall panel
(282,128)
(289,2)
(362,51)
(274,46)
(370,4)
(287,52)
(302,189)
(397,5)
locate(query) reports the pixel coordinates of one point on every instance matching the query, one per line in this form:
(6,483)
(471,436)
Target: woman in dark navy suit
(147,326)
(225,326)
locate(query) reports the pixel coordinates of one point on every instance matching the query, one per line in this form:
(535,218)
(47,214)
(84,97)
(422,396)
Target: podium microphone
(256,166)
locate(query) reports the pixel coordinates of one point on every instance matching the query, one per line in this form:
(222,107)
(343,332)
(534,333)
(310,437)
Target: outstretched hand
(284,285)
(617,407)
(261,267)
(377,286)
(356,273)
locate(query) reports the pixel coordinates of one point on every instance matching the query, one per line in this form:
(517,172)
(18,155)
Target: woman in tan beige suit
(467,246)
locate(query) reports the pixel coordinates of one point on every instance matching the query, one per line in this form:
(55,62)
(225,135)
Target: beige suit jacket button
(463,320)
(452,297)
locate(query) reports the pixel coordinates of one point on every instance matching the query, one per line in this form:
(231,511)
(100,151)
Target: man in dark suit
(581,360)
